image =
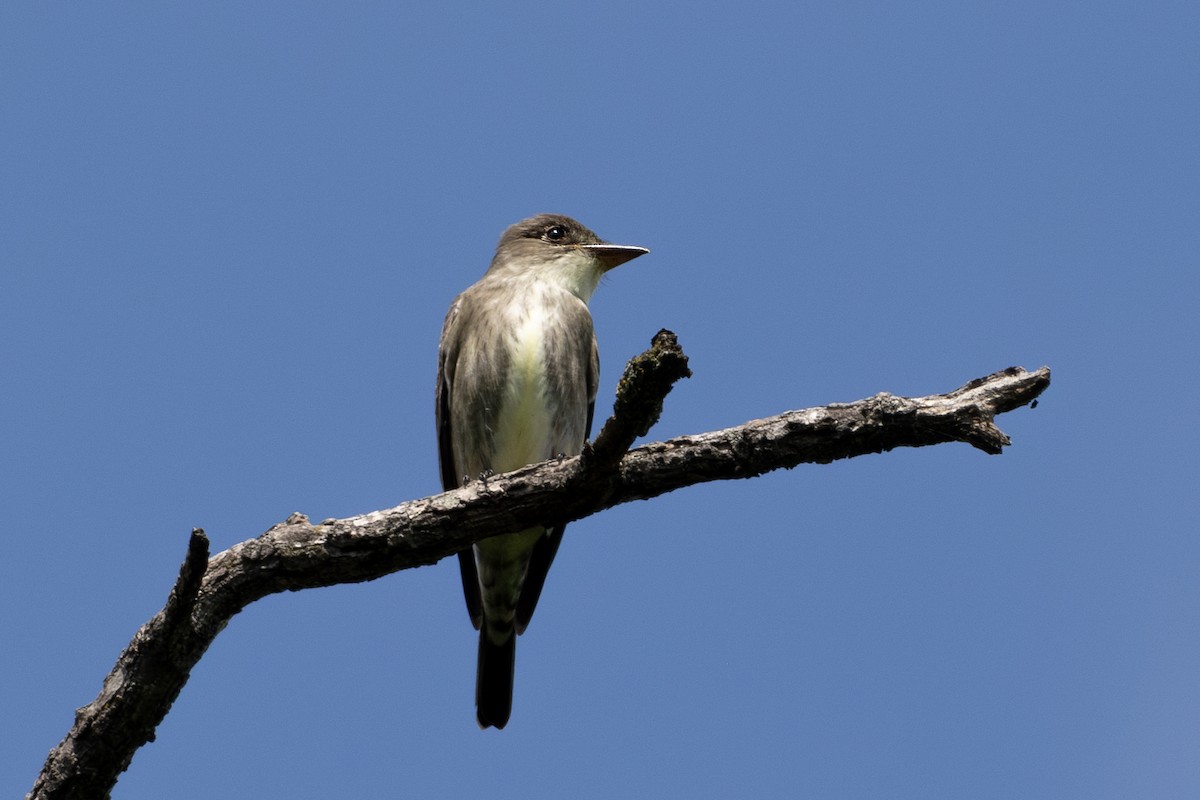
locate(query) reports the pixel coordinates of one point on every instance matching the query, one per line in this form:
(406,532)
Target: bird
(517,375)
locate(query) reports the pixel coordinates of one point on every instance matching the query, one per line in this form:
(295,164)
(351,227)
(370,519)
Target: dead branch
(296,554)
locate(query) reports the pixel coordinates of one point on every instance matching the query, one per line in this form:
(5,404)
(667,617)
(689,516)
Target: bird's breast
(524,424)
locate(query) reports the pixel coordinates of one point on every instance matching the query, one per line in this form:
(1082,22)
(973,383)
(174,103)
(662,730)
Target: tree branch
(296,554)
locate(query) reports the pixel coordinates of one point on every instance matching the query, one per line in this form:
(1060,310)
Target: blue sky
(230,232)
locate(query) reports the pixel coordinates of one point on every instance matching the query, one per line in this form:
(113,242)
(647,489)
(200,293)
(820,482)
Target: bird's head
(558,248)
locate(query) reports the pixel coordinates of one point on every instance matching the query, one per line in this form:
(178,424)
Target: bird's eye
(555,233)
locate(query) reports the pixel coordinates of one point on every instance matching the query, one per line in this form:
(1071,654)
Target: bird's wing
(450,474)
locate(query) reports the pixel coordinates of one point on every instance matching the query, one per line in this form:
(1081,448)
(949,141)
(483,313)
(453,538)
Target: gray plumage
(517,376)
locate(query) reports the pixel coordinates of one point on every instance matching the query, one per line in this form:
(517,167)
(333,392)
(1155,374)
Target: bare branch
(295,554)
(647,380)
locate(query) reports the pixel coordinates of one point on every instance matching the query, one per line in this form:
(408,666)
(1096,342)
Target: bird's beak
(614,255)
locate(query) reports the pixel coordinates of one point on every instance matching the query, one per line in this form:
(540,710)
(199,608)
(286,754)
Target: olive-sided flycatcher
(517,375)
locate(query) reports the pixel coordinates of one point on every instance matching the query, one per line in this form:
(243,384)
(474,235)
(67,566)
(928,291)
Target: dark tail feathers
(494,679)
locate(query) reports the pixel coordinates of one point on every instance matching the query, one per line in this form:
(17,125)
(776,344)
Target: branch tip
(191,574)
(647,380)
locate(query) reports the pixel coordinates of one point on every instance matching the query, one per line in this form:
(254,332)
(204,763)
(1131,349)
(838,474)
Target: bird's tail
(494,678)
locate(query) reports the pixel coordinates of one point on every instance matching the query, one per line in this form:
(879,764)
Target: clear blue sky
(230,232)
